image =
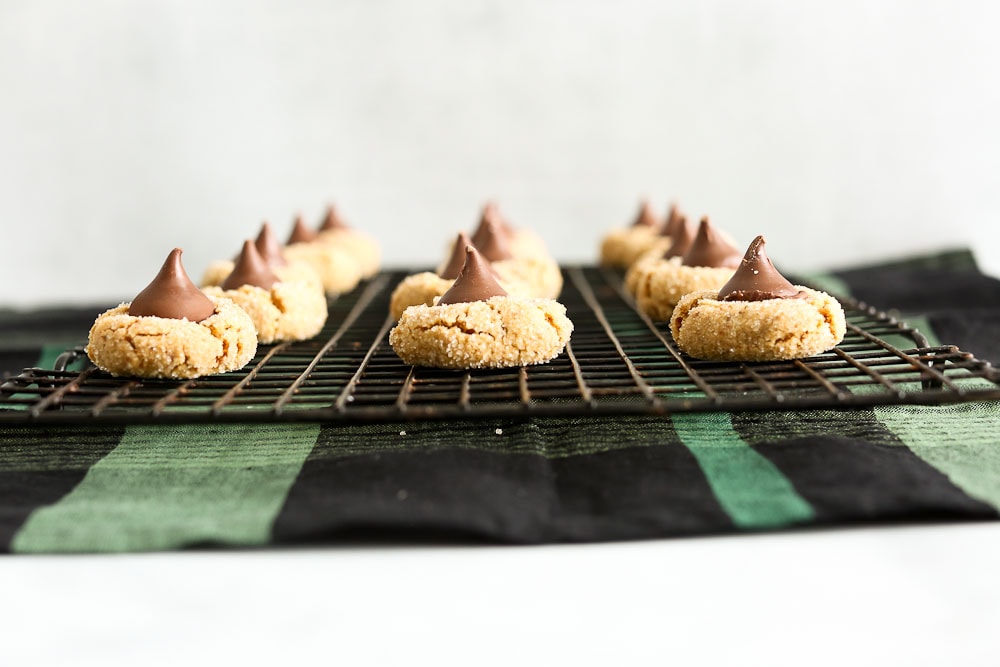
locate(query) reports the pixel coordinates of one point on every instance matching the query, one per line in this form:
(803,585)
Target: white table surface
(886,595)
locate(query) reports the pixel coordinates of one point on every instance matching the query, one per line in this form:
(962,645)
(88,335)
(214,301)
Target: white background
(881,596)
(844,131)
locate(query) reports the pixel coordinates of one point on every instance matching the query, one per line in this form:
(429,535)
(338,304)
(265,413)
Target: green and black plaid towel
(133,488)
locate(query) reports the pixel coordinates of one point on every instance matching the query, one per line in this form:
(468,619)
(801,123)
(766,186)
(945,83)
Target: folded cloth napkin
(520,480)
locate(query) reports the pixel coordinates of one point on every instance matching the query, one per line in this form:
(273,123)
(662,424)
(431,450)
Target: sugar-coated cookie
(540,276)
(657,287)
(623,245)
(280,310)
(361,247)
(338,269)
(757,316)
(500,332)
(172,330)
(476,324)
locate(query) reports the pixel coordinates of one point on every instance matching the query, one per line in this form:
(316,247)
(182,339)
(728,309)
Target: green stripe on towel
(749,487)
(971,457)
(168,487)
(974,464)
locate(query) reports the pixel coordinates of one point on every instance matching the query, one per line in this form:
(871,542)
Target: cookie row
(721,305)
(269,293)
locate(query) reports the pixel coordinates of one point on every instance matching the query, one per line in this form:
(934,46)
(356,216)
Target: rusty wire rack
(618,362)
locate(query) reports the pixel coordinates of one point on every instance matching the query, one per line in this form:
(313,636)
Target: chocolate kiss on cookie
(674,219)
(332,220)
(490,222)
(172,294)
(491,241)
(268,246)
(756,279)
(645,217)
(300,232)
(711,249)
(681,239)
(474,283)
(250,269)
(457,259)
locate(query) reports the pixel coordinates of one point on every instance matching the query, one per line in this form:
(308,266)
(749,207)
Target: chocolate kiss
(457,259)
(646,217)
(674,218)
(491,241)
(711,249)
(491,217)
(268,246)
(250,269)
(757,279)
(172,294)
(681,240)
(332,220)
(474,283)
(301,233)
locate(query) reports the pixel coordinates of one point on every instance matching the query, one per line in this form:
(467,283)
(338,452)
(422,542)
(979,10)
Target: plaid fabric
(515,480)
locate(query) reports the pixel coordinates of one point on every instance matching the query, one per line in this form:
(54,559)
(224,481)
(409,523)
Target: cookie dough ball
(361,247)
(757,316)
(172,330)
(476,324)
(280,310)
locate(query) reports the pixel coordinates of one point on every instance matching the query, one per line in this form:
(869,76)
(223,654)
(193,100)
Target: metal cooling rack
(618,362)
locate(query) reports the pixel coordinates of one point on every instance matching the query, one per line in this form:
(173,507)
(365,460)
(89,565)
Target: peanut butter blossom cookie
(623,245)
(757,315)
(365,250)
(707,262)
(338,265)
(172,330)
(477,324)
(280,310)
